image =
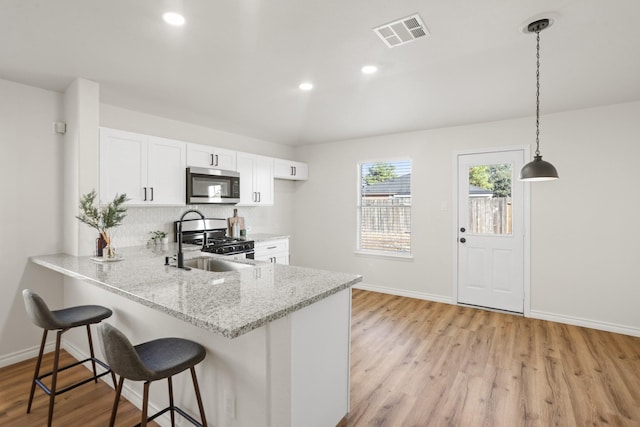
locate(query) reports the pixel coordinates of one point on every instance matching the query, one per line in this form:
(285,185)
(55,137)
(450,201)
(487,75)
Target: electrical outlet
(230,404)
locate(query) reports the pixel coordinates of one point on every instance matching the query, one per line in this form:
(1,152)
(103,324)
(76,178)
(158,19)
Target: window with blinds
(384,211)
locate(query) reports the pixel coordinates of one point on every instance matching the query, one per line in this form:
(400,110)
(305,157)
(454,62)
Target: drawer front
(271,247)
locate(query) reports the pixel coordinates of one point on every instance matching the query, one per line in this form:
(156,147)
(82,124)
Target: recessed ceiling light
(173,18)
(306,86)
(369,69)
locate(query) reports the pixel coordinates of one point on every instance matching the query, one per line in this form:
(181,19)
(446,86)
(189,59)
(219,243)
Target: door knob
(462,240)
(462,230)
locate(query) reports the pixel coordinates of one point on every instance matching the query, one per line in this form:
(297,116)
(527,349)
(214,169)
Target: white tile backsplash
(141,221)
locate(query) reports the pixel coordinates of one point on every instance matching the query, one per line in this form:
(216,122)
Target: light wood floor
(86,406)
(420,363)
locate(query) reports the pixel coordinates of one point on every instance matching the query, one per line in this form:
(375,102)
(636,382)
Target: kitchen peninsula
(277,337)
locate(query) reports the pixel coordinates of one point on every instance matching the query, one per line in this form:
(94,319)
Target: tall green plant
(103,219)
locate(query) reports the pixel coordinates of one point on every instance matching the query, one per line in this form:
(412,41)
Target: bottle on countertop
(235,229)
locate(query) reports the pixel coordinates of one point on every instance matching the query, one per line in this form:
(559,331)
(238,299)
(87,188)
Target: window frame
(373,252)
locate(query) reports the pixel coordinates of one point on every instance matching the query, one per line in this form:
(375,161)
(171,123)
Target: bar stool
(62,321)
(151,361)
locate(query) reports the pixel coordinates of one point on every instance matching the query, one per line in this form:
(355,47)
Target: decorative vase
(100,245)
(109,251)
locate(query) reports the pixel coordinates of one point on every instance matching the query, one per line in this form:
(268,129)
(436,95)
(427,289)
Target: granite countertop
(229,303)
(265,237)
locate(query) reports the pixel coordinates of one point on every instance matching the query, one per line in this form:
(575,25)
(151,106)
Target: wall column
(80,160)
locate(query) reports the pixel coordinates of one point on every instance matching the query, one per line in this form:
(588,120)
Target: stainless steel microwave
(212,186)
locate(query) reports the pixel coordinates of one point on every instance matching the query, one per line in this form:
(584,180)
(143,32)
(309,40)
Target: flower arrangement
(103,219)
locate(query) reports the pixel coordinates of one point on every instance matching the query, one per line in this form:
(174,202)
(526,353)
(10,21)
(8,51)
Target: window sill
(375,254)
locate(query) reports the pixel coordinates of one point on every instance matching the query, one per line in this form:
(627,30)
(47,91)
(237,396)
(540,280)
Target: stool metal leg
(145,404)
(93,361)
(54,376)
(198,397)
(114,410)
(171,406)
(36,373)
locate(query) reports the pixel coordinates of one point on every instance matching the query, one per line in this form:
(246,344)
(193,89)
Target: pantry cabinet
(288,169)
(256,179)
(204,156)
(149,169)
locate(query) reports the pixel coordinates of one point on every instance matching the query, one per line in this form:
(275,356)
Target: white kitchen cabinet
(256,179)
(275,251)
(204,156)
(288,169)
(150,170)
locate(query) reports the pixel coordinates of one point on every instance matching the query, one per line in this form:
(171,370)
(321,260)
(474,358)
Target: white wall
(134,121)
(30,216)
(584,233)
(80,156)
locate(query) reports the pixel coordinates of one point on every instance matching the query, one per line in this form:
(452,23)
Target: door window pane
(490,199)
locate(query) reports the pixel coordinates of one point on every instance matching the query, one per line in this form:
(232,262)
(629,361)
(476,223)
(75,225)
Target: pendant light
(538,169)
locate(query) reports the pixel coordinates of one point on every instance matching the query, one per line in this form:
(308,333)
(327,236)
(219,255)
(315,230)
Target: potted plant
(158,236)
(103,219)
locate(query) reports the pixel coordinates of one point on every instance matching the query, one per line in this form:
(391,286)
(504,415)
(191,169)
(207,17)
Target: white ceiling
(236,64)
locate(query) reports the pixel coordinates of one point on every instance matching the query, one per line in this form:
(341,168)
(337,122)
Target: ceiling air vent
(402,31)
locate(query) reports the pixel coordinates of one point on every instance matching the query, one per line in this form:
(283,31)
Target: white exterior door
(490,230)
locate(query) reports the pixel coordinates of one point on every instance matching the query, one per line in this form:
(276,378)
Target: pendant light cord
(537,92)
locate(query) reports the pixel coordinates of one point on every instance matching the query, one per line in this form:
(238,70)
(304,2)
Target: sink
(214,264)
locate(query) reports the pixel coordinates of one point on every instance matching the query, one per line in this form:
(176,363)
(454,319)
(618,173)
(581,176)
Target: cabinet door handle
(151,194)
(259,197)
(292,173)
(271,247)
(216,156)
(295,171)
(145,194)
(211,159)
(255,197)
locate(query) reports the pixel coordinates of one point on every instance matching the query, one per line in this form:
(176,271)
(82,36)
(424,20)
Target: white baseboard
(127,392)
(404,293)
(587,323)
(536,314)
(29,353)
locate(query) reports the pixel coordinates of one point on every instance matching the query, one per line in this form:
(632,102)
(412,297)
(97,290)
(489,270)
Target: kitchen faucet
(180,256)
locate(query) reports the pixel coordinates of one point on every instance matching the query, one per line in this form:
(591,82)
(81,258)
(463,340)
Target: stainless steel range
(217,241)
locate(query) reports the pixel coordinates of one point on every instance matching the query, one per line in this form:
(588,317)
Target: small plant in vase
(158,236)
(103,219)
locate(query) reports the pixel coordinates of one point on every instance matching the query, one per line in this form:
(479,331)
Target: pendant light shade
(538,169)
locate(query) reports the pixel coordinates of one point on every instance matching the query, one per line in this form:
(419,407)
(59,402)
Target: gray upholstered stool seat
(81,315)
(166,357)
(150,361)
(61,321)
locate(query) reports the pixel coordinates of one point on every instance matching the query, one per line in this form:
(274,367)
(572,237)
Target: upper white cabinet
(288,169)
(256,179)
(150,170)
(204,156)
